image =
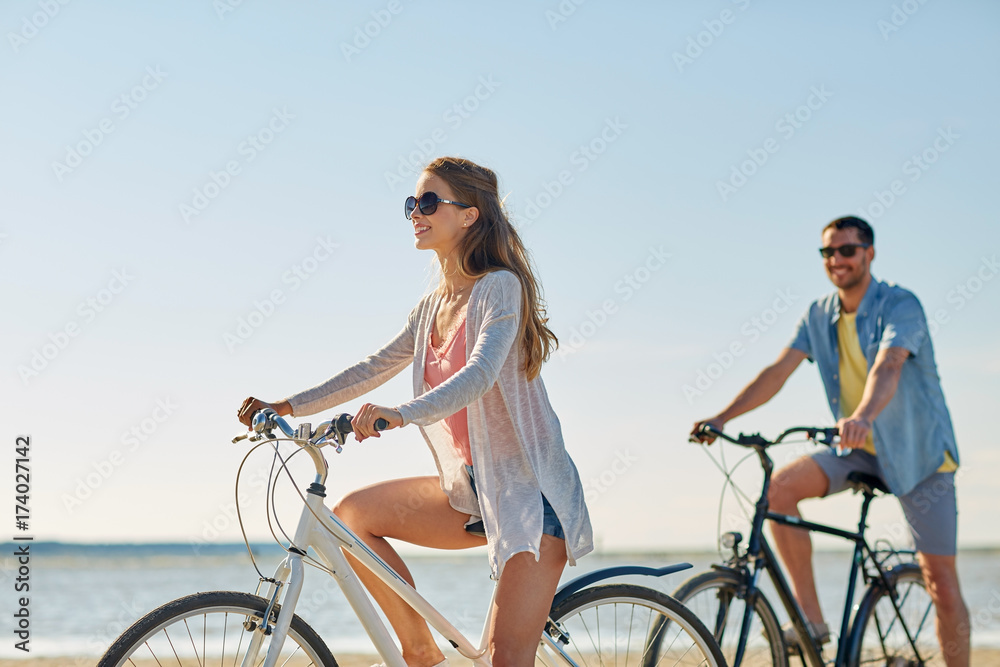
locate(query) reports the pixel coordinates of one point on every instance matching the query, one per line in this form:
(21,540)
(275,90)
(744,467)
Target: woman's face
(442,230)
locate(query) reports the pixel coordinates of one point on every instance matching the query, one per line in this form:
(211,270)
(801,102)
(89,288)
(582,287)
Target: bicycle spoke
(600,654)
(168,637)
(615,642)
(590,636)
(171,642)
(666,633)
(628,645)
(671,645)
(898,623)
(193,647)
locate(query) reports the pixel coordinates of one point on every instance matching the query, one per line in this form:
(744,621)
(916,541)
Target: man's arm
(761,390)
(880,387)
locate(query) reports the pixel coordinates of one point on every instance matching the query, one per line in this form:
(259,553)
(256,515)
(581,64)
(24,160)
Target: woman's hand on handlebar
(252,405)
(364,421)
(698,436)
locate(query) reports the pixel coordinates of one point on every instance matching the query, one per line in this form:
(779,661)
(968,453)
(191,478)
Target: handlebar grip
(343,424)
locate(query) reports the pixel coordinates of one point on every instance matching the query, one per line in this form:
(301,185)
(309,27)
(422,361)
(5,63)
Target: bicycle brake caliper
(265,627)
(555,631)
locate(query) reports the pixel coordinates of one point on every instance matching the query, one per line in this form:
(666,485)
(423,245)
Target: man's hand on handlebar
(252,405)
(698,436)
(853,432)
(364,421)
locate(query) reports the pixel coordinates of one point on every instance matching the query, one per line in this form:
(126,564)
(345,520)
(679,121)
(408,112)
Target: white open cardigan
(517,446)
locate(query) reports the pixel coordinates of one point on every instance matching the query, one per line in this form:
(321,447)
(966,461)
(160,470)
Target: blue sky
(670,165)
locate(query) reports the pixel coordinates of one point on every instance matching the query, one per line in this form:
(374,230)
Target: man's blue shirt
(914,430)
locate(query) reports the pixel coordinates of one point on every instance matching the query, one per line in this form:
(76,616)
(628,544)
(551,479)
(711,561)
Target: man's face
(846,272)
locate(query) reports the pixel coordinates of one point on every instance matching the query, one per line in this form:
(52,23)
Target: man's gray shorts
(929,508)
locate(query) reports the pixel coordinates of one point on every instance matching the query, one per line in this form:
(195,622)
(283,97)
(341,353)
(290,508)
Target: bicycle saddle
(868,484)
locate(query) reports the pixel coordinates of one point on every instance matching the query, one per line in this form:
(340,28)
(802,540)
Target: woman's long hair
(492,243)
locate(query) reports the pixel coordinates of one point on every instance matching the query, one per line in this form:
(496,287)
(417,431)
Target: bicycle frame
(327,535)
(322,530)
(763,557)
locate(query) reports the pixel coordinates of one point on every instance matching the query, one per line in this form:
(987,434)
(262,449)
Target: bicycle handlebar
(827,436)
(265,421)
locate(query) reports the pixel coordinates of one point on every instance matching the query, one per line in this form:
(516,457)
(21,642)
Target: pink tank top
(441,364)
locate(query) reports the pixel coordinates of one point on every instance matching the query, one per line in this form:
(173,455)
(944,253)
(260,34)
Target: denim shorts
(550,522)
(930,508)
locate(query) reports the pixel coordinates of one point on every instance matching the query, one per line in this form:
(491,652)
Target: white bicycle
(590,624)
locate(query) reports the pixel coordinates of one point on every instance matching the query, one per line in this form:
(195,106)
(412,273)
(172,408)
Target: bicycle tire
(149,638)
(876,613)
(714,597)
(606,625)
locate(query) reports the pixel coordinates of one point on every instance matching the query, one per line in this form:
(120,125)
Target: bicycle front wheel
(884,638)
(222,627)
(715,598)
(610,625)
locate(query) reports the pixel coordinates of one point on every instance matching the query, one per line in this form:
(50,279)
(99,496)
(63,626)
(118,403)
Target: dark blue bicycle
(893,625)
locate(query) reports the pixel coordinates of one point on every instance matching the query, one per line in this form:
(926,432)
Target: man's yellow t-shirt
(854,374)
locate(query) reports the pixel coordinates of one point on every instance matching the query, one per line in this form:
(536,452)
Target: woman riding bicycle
(477,344)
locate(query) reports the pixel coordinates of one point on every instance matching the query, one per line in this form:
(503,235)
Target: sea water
(83,596)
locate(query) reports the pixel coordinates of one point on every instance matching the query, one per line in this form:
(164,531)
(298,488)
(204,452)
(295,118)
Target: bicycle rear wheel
(881,635)
(715,598)
(220,626)
(608,626)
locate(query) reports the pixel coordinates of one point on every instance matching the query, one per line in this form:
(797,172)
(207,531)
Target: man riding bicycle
(870,342)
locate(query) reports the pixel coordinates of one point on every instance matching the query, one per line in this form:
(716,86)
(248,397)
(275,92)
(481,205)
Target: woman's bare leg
(414,510)
(524,596)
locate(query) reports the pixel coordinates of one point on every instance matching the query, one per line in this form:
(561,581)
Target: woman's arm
(494,340)
(360,378)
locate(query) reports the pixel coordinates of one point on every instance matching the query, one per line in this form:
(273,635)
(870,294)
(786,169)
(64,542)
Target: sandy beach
(980,658)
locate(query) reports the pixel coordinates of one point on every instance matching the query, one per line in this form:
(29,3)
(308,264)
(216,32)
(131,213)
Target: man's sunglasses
(428,204)
(846,250)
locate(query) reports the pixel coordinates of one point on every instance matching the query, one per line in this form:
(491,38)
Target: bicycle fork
(292,571)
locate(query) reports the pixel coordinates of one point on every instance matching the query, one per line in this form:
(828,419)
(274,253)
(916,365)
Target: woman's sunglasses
(428,204)
(846,250)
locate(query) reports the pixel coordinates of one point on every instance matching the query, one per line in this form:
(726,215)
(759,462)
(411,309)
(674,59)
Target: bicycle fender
(585,580)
